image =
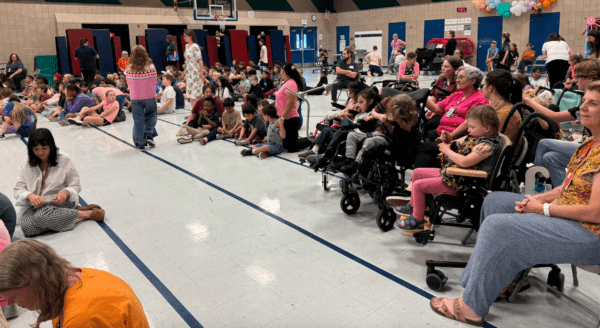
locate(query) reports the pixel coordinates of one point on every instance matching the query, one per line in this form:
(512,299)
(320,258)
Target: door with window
(303,45)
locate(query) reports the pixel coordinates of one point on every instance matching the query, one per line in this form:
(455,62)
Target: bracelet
(547,209)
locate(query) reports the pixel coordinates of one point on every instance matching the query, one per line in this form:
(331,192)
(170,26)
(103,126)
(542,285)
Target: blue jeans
(144,120)
(375,69)
(121,100)
(555,155)
(509,242)
(63,115)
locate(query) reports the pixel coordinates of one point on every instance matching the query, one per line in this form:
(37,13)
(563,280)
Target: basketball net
(222,20)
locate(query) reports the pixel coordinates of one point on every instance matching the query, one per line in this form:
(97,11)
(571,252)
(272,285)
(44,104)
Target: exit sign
(461,10)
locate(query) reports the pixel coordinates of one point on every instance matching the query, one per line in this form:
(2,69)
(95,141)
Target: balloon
(504,9)
(546,3)
(488,10)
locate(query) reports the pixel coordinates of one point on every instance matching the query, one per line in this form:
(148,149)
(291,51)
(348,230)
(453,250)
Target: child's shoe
(246,152)
(220,137)
(76,121)
(64,123)
(306,154)
(398,201)
(185,139)
(263,155)
(240,142)
(404,210)
(53,118)
(409,224)
(350,169)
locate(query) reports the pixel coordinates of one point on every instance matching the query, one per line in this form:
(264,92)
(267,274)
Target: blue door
(540,27)
(397,28)
(343,33)
(489,29)
(296,44)
(310,44)
(434,29)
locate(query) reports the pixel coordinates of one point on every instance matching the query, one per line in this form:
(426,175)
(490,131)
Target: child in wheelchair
(477,151)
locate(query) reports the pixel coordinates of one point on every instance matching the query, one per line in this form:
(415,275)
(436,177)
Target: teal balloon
(504,9)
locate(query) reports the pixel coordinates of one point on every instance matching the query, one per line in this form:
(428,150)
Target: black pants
(557,71)
(16,81)
(431,127)
(427,155)
(172,63)
(291,127)
(88,74)
(339,84)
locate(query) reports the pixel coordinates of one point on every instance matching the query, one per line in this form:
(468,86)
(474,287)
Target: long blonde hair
(19,113)
(33,264)
(139,59)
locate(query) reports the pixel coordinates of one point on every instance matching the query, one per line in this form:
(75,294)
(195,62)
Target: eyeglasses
(460,77)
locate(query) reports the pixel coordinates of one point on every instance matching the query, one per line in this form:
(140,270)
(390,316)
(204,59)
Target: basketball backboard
(206,10)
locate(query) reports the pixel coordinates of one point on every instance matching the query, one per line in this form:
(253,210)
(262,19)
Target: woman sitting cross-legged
(518,232)
(48,184)
(89,115)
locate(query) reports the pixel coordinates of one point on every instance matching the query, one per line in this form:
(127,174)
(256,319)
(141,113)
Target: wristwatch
(547,209)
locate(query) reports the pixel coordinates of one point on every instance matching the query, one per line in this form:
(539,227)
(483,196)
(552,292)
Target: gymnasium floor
(209,238)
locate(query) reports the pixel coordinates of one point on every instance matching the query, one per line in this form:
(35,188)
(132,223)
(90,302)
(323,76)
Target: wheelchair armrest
(336,105)
(467,173)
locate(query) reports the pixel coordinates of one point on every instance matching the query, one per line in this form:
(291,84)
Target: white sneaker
(240,142)
(220,136)
(185,139)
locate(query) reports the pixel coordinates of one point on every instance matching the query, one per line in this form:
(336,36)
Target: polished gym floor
(209,238)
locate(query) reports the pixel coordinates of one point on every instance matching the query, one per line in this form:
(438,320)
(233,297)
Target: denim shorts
(273,149)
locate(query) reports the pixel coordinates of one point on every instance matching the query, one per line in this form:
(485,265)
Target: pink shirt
(402,70)
(281,99)
(375,57)
(106,107)
(455,109)
(3,244)
(142,85)
(396,45)
(101,92)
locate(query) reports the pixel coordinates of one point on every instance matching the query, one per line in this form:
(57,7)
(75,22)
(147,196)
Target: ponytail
(505,85)
(516,92)
(82,42)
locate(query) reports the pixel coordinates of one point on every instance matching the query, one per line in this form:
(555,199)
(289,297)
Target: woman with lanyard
(48,186)
(86,56)
(396,44)
(519,231)
(447,81)
(15,72)
(172,56)
(287,105)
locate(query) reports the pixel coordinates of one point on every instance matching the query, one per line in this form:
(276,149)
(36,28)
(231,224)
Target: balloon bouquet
(516,8)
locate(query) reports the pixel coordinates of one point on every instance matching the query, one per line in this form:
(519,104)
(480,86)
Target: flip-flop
(458,316)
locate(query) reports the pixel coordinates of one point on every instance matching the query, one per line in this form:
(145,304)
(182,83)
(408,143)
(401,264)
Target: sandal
(507,291)
(409,224)
(458,316)
(88,207)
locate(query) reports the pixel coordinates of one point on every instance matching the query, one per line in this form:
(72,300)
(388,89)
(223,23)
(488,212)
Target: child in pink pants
(479,151)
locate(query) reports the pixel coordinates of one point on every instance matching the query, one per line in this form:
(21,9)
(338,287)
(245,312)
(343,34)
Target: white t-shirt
(399,59)
(539,83)
(374,57)
(168,93)
(265,55)
(556,50)
(225,93)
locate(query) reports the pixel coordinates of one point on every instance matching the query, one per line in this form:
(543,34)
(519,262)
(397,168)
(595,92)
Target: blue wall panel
(201,36)
(227,51)
(252,47)
(395,28)
(343,33)
(103,45)
(490,29)
(277,46)
(157,47)
(62,52)
(434,29)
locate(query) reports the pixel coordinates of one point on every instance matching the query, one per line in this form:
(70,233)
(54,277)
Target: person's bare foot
(466,311)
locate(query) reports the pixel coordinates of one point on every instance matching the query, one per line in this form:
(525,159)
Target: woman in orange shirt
(70,297)
(123,61)
(527,58)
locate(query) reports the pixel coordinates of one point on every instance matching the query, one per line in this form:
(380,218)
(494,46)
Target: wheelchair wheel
(385,219)
(436,280)
(350,203)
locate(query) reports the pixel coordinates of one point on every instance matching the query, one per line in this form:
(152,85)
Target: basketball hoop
(222,20)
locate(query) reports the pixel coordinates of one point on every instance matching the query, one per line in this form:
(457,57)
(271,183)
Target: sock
(2,131)
(315,149)
(254,151)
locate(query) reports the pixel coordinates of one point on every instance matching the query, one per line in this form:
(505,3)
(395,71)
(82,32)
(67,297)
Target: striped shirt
(142,85)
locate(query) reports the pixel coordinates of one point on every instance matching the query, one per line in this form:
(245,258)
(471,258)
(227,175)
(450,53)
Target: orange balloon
(546,3)
(487,10)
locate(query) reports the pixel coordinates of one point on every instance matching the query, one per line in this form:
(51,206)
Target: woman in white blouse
(48,185)
(556,51)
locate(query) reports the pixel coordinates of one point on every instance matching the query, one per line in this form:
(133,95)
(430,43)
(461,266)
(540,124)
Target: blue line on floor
(162,289)
(291,225)
(283,158)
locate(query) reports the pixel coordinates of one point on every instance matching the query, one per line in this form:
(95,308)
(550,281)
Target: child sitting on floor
(255,88)
(231,121)
(204,128)
(273,142)
(20,117)
(89,115)
(42,95)
(478,151)
(167,100)
(254,127)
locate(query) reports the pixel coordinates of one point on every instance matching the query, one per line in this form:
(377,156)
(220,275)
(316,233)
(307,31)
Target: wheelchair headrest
(420,96)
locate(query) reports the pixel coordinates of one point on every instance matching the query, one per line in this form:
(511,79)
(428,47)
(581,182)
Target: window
(297,41)
(305,41)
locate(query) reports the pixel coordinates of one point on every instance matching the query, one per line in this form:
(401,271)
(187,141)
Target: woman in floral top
(518,232)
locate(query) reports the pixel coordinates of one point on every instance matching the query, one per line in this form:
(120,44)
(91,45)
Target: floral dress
(192,70)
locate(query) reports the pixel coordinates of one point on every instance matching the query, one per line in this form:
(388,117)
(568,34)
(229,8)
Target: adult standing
(264,54)
(450,45)
(556,51)
(347,72)
(193,67)
(396,44)
(48,185)
(141,78)
(593,38)
(287,105)
(86,56)
(504,53)
(15,72)
(172,56)
(517,231)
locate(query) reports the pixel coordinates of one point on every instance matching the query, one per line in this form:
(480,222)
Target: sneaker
(406,209)
(263,155)
(398,201)
(350,169)
(185,139)
(220,137)
(240,142)
(246,152)
(150,141)
(334,108)
(53,118)
(306,154)
(75,121)
(2,137)
(141,148)
(64,123)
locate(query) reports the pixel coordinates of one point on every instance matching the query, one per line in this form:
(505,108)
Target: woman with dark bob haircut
(48,186)
(33,276)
